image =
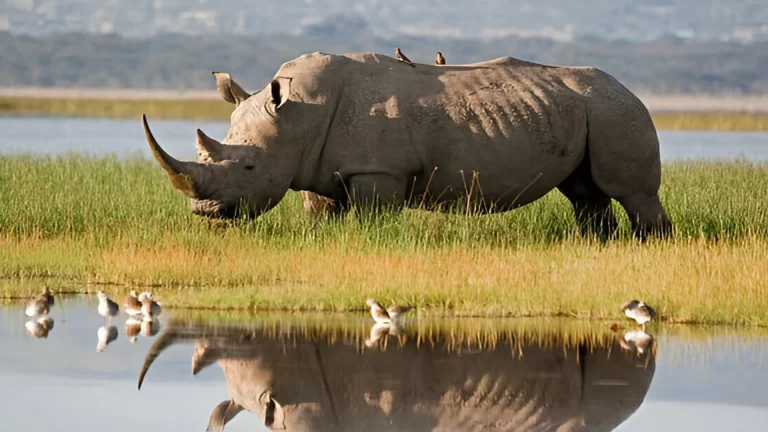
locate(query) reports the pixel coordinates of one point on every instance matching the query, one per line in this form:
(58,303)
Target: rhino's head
(249,173)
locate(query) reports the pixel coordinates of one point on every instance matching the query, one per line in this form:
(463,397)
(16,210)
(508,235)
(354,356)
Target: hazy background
(654,46)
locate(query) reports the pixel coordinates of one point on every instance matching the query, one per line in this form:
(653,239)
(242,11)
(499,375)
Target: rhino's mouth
(218,209)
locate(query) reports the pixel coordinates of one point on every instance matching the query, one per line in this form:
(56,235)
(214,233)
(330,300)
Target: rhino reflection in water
(313,382)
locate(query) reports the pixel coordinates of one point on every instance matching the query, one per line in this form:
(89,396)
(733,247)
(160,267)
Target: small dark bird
(48,296)
(639,311)
(403,58)
(440,60)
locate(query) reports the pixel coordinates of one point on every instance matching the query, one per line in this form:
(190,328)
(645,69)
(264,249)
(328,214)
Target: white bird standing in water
(639,311)
(132,305)
(380,315)
(40,305)
(154,307)
(107,308)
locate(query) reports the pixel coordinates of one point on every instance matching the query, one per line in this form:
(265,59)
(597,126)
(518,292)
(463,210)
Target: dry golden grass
(71,220)
(687,280)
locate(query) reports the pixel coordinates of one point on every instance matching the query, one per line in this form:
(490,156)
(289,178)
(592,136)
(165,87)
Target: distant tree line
(172,61)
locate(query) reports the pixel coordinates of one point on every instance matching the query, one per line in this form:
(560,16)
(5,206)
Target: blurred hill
(630,20)
(668,65)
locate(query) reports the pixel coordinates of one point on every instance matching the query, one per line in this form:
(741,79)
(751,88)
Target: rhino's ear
(229,89)
(281,88)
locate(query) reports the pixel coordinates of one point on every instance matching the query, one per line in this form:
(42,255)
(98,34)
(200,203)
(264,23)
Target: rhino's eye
(249,167)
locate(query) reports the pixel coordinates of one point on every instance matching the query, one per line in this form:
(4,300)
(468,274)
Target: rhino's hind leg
(647,215)
(594,213)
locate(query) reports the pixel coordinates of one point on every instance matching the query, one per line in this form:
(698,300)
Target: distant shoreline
(655,103)
(669,112)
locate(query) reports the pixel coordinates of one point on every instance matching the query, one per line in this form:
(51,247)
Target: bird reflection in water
(323,377)
(106,335)
(39,327)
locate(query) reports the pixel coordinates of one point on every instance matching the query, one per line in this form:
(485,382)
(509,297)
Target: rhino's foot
(647,216)
(596,217)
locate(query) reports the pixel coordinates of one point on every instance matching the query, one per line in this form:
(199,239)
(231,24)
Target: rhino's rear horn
(183,175)
(208,145)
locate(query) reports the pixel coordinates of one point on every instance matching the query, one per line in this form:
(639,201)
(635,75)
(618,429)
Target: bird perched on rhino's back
(403,58)
(440,60)
(638,311)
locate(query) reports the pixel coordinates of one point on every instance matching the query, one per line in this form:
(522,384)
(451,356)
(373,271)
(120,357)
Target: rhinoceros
(313,380)
(369,130)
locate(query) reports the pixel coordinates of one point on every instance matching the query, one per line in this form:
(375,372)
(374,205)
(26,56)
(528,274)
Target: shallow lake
(339,372)
(54,135)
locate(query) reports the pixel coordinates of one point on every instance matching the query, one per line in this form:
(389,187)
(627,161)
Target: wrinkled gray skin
(301,383)
(369,130)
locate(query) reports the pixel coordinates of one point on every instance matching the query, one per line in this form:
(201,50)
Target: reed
(74,221)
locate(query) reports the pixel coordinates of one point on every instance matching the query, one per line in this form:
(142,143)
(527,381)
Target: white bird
(153,309)
(39,328)
(40,305)
(107,308)
(106,336)
(638,311)
(132,305)
(380,315)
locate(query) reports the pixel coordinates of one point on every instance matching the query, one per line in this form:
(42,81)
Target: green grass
(217,109)
(78,223)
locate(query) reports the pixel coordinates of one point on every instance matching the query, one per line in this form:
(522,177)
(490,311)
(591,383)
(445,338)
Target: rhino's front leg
(318,205)
(377,192)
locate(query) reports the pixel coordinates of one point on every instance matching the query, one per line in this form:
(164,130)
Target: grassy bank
(71,220)
(216,109)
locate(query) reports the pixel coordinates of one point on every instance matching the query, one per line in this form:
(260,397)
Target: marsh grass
(716,121)
(216,109)
(183,109)
(75,220)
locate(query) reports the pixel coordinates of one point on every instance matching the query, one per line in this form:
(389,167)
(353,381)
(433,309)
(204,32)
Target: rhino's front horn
(182,174)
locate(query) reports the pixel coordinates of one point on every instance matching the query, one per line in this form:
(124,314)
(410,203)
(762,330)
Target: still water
(339,372)
(126,138)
